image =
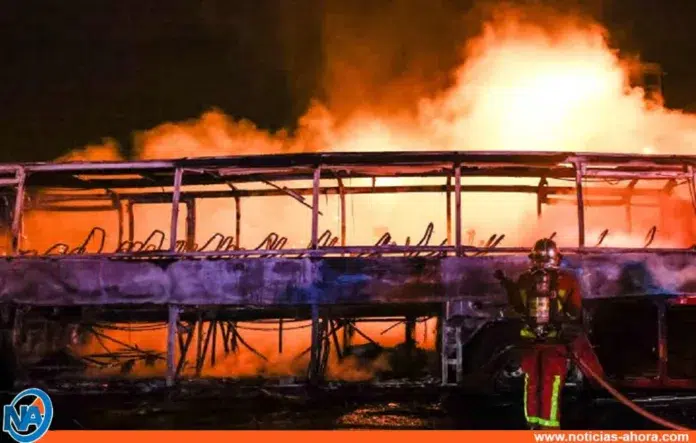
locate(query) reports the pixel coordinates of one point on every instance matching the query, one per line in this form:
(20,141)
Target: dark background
(75,71)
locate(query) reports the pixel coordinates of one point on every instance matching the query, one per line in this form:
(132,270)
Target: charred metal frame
(453,166)
(232,172)
(209,327)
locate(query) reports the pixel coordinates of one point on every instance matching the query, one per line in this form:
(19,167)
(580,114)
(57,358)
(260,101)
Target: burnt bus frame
(452,166)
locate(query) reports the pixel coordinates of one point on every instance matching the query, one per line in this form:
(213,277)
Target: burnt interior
(681,352)
(624,333)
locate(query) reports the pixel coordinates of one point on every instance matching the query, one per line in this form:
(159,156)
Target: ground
(208,404)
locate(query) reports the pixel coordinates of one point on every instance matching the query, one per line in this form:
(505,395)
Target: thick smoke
(107,151)
(403,78)
(531,78)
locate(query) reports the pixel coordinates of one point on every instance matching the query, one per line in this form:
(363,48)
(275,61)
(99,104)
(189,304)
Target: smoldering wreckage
(68,310)
(158,283)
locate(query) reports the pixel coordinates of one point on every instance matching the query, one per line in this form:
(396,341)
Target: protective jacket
(550,302)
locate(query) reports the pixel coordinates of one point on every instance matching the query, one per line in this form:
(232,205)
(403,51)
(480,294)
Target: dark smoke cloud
(391,54)
(380,53)
(378,56)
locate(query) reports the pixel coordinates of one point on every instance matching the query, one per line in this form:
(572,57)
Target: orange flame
(524,84)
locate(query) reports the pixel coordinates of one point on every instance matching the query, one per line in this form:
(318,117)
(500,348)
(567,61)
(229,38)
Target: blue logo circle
(16,421)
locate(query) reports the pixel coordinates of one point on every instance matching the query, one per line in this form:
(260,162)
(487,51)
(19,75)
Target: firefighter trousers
(545,366)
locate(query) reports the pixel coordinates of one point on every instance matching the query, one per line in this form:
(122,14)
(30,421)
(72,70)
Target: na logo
(29,421)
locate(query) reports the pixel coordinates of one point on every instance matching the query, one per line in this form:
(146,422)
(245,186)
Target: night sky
(76,71)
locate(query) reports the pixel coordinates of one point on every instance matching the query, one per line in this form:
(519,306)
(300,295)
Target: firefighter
(549,301)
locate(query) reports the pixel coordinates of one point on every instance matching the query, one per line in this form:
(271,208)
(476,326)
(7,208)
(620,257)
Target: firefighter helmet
(545,254)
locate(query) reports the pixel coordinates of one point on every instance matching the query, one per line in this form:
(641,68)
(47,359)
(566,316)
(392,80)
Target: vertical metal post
(234,345)
(540,197)
(579,167)
(324,347)
(18,212)
(342,197)
(199,344)
(238,221)
(315,207)
(176,196)
(280,336)
(628,200)
(315,345)
(120,222)
(445,342)
(662,340)
(458,208)
(131,221)
(448,197)
(171,343)
(459,355)
(190,224)
(214,349)
(335,326)
(348,333)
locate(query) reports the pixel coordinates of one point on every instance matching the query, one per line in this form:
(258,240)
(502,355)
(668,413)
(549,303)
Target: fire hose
(587,370)
(590,373)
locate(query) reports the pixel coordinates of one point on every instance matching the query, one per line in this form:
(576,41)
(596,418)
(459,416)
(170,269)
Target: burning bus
(288,266)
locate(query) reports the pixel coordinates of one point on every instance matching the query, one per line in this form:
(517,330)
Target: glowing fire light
(521,87)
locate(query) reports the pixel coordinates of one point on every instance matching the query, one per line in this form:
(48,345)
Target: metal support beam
(458,208)
(629,213)
(234,341)
(448,198)
(166,197)
(315,206)
(18,212)
(579,169)
(199,340)
(190,224)
(541,195)
(342,197)
(363,335)
(238,222)
(348,333)
(662,340)
(325,348)
(224,336)
(172,326)
(202,352)
(315,347)
(184,347)
(335,326)
(178,178)
(213,351)
(131,221)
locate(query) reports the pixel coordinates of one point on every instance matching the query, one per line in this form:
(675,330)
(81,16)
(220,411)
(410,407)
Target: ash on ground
(255,404)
